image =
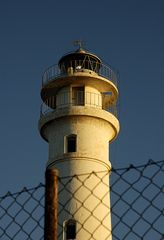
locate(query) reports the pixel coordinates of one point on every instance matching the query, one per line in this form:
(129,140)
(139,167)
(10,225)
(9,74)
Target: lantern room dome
(79,54)
(80,59)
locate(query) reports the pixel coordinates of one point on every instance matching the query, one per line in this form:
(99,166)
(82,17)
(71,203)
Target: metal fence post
(51,204)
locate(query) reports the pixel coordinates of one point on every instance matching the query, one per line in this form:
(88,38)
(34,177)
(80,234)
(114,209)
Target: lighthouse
(79,121)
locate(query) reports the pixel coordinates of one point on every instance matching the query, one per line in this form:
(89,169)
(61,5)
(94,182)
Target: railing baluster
(53,72)
(81,98)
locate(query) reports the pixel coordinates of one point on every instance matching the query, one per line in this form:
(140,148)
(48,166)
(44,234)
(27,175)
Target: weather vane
(79,43)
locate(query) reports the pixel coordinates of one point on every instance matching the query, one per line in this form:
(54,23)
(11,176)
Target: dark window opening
(71,229)
(71,143)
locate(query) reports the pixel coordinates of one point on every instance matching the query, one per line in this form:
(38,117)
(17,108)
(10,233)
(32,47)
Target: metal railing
(79,98)
(75,66)
(136,205)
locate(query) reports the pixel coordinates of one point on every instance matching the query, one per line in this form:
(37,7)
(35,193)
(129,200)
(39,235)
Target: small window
(71,143)
(70,229)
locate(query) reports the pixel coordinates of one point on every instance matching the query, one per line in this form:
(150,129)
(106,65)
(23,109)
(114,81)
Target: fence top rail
(116,170)
(56,71)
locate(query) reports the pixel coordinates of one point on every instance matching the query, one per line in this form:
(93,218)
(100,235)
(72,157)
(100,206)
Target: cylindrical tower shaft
(78,120)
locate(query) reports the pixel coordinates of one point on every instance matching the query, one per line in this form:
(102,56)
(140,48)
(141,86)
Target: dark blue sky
(127,34)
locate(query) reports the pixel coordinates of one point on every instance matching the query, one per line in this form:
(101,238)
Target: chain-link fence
(136,205)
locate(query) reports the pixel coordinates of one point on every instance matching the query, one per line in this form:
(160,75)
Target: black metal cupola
(78,61)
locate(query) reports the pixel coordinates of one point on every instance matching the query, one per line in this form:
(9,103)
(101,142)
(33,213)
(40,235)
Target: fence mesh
(136,205)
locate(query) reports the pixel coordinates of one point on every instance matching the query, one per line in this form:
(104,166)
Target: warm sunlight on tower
(78,120)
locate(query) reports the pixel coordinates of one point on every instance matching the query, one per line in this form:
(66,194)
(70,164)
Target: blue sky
(129,35)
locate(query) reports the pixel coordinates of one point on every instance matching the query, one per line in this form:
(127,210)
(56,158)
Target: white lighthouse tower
(78,120)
